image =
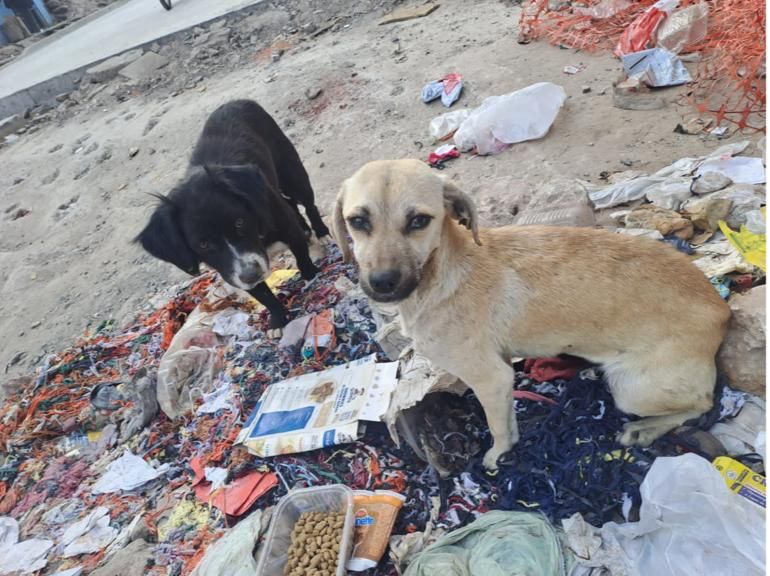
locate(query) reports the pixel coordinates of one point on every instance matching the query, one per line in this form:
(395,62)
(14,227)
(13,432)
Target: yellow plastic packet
(375,514)
(742,480)
(753,247)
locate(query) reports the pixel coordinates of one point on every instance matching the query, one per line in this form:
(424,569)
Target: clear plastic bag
(525,114)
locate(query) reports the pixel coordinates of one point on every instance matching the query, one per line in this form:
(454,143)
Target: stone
(108,69)
(11,124)
(585,89)
(133,151)
(710,182)
(313,93)
(742,356)
(667,222)
(144,67)
(705,213)
(561,202)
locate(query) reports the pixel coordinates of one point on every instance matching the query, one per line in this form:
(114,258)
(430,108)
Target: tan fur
(636,306)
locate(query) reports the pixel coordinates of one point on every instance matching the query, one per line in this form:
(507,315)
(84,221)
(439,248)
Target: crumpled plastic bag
(20,557)
(190,365)
(418,377)
(525,114)
(683,28)
(447,123)
(90,534)
(497,543)
(127,473)
(638,35)
(656,67)
(753,247)
(231,555)
(636,188)
(719,258)
(690,524)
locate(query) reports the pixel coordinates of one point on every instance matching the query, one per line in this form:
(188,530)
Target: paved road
(126,25)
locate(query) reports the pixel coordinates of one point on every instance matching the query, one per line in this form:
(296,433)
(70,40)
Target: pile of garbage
(147,448)
(185,440)
(726,41)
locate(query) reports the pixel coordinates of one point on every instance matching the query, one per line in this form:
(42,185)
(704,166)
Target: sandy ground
(69,263)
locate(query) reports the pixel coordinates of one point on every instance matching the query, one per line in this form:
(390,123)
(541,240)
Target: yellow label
(742,479)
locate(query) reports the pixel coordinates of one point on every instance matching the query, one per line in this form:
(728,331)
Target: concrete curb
(45,92)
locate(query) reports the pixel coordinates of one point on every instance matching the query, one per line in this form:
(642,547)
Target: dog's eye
(239,223)
(203,245)
(419,222)
(359,223)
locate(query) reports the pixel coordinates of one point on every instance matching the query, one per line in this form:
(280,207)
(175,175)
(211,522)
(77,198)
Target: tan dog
(472,300)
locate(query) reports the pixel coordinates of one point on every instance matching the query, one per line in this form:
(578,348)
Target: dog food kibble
(315,544)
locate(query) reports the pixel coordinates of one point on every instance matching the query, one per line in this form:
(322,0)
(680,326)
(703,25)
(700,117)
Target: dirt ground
(69,264)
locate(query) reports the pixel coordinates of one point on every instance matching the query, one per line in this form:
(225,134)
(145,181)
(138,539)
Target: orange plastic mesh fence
(729,82)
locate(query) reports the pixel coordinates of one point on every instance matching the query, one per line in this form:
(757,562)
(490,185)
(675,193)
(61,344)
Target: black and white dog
(238,198)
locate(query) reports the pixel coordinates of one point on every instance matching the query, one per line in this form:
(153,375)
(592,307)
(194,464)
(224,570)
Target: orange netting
(730,79)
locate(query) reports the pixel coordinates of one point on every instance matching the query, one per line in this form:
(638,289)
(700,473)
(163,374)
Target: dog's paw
(316,251)
(638,434)
(490,461)
(325,240)
(274,333)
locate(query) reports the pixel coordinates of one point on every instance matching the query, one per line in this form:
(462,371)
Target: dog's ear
(163,238)
(460,207)
(339,230)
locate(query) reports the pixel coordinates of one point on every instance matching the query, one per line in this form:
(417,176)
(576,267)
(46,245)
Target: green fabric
(496,544)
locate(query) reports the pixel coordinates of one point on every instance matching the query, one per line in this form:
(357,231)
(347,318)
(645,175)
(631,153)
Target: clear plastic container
(334,498)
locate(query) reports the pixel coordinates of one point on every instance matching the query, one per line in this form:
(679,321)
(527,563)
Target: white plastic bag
(690,524)
(525,114)
(447,123)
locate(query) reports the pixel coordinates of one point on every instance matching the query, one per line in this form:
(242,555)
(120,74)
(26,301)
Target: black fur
(240,196)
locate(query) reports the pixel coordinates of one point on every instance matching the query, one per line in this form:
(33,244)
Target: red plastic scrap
(547,369)
(237,497)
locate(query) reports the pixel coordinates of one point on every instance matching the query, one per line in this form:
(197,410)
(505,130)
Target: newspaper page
(319,409)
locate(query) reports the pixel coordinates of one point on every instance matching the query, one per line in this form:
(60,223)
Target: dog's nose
(252,276)
(384,282)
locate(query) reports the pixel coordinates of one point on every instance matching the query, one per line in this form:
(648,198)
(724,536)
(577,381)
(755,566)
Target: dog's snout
(251,276)
(384,282)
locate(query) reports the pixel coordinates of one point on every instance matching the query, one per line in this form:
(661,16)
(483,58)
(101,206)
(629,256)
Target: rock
(626,162)
(710,182)
(313,93)
(201,40)
(745,198)
(17,180)
(742,356)
(631,94)
(55,148)
(108,69)
(11,124)
(144,67)
(667,222)
(133,151)
(559,203)
(91,148)
(50,178)
(705,213)
(585,89)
